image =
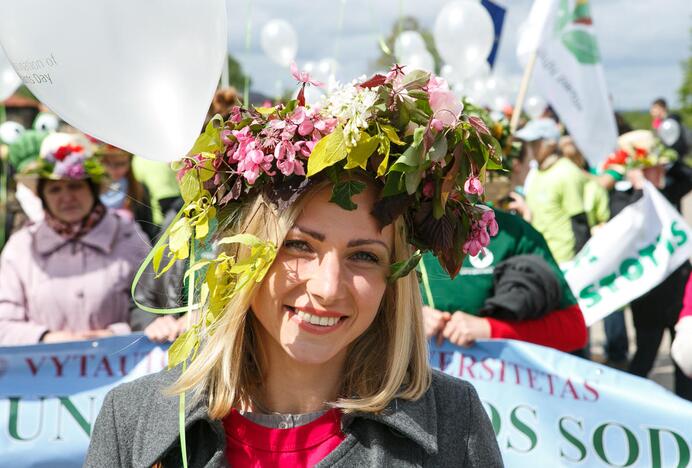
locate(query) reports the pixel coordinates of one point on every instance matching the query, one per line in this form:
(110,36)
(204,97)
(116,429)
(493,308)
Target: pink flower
(472,247)
(473,186)
(306,128)
(488,220)
(303,77)
(437,124)
(75,171)
(429,189)
(304,147)
(445,105)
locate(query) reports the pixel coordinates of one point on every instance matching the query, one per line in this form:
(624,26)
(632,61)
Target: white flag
(629,256)
(568,73)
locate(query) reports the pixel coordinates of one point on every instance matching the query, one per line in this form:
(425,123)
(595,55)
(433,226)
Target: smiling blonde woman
(318,355)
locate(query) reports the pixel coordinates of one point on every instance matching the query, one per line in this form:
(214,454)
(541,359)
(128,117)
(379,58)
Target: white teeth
(317,320)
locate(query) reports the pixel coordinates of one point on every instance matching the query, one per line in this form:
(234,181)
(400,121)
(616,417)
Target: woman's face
(327,282)
(117,165)
(68,200)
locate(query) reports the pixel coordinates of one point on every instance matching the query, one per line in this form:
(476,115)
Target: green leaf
(583,45)
(327,152)
(394,184)
(416,79)
(439,149)
(190,187)
(245,239)
(409,161)
(158,255)
(210,140)
(402,269)
(182,348)
(265,111)
(418,135)
(413,181)
(392,135)
(180,238)
(359,154)
(384,150)
(343,191)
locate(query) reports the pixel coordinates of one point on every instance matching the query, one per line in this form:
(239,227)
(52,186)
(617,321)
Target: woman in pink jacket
(68,277)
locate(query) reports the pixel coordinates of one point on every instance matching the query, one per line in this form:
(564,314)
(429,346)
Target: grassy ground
(639,120)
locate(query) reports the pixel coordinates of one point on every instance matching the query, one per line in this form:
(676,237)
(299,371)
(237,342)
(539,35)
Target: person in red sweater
(456,309)
(681,349)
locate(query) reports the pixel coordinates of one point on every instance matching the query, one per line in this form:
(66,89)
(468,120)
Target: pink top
(50,284)
(687,300)
(251,445)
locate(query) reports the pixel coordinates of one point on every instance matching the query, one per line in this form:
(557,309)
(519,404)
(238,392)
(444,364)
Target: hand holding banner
(629,256)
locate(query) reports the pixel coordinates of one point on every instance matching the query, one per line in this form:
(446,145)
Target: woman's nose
(326,281)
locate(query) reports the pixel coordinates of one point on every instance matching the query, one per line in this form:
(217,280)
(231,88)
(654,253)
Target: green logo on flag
(582,44)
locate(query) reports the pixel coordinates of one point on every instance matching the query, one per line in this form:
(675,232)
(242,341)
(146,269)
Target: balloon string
(426,284)
(248,43)
(190,307)
(339,29)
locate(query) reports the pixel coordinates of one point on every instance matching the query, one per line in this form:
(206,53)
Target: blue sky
(643,42)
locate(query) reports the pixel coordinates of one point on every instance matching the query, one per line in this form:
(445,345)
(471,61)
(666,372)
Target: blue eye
(298,245)
(366,257)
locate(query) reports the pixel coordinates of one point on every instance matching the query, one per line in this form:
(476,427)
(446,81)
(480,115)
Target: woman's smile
(314,321)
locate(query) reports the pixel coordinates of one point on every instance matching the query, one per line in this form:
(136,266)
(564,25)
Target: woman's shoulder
(20,241)
(142,392)
(450,390)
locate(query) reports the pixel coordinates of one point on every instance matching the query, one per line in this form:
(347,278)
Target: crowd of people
(83,214)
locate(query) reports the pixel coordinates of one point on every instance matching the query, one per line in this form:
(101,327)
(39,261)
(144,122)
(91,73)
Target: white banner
(569,74)
(629,256)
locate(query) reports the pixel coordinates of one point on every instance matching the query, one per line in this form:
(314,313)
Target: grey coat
(447,427)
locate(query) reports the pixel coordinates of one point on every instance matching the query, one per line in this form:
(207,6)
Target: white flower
(352,106)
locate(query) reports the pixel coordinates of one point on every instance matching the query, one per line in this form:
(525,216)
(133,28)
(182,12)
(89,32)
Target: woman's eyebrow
(359,242)
(314,234)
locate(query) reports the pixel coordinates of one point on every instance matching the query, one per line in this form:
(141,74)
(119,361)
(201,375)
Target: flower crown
(406,131)
(70,159)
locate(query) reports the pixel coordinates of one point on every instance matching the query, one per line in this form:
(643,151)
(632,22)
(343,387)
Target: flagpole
(519,104)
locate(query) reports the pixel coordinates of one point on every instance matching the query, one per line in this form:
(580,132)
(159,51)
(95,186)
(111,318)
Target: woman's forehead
(327,219)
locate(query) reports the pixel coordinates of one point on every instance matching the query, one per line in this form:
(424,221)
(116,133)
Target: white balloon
(136,74)
(9,80)
(535,106)
(408,43)
(464,35)
(279,41)
(324,70)
(449,73)
(500,103)
(669,131)
(421,60)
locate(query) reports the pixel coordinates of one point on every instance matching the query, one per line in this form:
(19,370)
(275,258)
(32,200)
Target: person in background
(554,202)
(659,113)
(160,181)
(595,195)
(166,292)
(681,349)
(125,194)
(68,277)
(511,289)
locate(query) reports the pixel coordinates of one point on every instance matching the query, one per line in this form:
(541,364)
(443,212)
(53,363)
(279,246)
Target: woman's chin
(310,354)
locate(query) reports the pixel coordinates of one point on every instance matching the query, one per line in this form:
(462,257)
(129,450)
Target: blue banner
(551,409)
(547,408)
(50,395)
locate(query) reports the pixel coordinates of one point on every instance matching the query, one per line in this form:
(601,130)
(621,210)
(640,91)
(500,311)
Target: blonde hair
(390,360)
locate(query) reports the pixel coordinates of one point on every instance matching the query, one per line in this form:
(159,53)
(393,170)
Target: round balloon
(464,35)
(9,80)
(535,106)
(408,43)
(279,41)
(669,131)
(421,60)
(138,75)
